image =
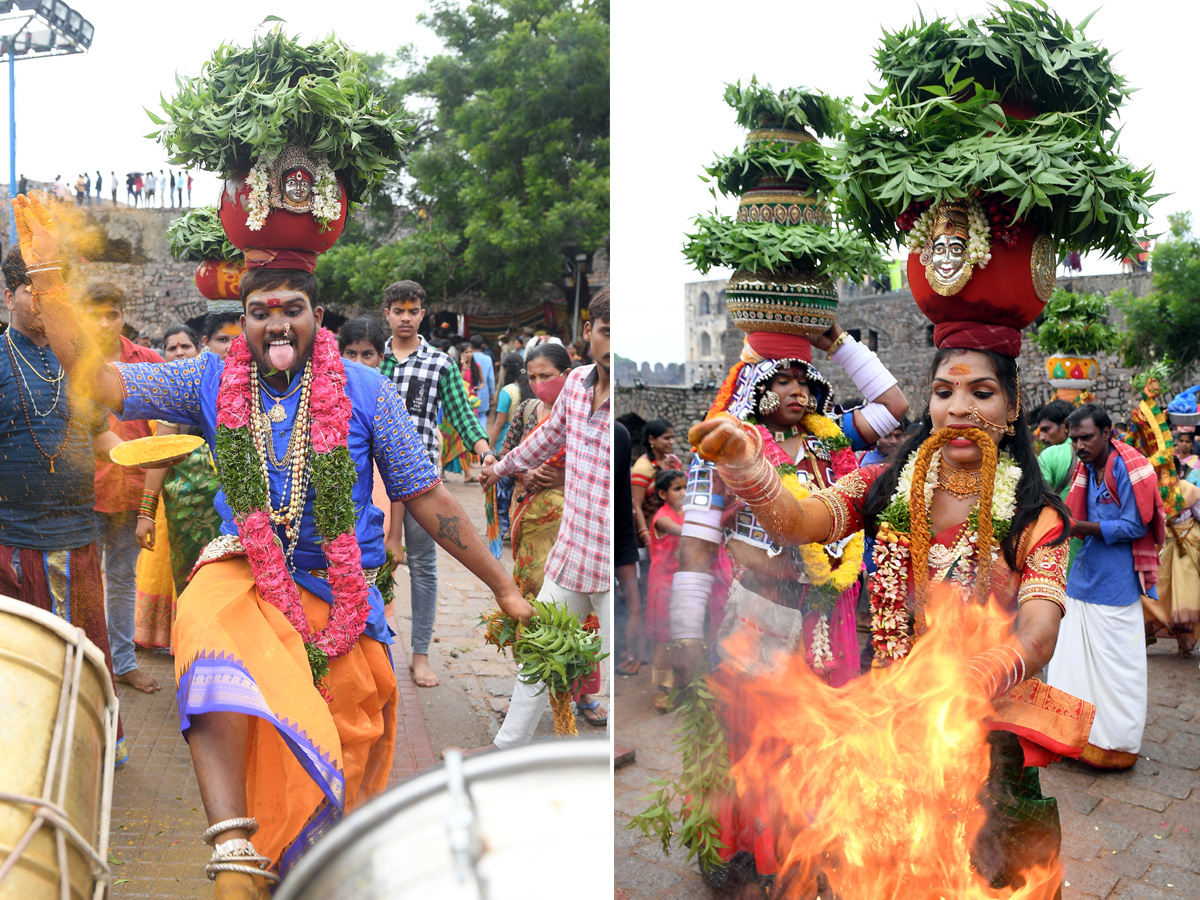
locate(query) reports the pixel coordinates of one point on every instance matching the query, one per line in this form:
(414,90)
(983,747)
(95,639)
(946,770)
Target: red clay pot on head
(1001,294)
(282,230)
(219,279)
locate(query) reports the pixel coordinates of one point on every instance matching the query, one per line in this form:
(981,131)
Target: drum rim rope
(53,812)
(545,754)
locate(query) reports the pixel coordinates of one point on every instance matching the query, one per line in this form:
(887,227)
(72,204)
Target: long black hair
(476,372)
(656,428)
(514,373)
(1032,493)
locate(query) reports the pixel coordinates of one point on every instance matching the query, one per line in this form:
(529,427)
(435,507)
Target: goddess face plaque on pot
(948,265)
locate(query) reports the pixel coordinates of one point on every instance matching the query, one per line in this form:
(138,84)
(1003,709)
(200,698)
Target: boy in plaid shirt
(425,378)
(578,569)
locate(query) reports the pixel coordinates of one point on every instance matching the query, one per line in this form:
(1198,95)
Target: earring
(811,406)
(768,403)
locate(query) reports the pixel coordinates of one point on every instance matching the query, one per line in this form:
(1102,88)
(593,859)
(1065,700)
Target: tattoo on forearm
(448,530)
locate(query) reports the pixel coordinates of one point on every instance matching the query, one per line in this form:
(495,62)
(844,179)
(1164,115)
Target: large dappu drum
(58,736)
(506,824)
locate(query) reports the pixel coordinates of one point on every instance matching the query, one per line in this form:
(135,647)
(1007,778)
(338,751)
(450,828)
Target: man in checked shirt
(426,379)
(578,569)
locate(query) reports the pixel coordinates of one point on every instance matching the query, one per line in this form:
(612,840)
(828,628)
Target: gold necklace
(61,371)
(959,483)
(277,413)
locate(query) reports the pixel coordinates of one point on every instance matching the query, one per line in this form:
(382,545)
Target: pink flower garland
(329,430)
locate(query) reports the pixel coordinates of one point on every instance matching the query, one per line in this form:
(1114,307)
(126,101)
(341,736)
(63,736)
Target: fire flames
(875,786)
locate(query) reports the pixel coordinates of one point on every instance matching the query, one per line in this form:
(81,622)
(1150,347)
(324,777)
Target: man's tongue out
(282,356)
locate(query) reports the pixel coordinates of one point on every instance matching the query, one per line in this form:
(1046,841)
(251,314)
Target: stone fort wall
(903,338)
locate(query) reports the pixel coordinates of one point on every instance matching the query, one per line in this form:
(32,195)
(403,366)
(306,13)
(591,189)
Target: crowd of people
(170,187)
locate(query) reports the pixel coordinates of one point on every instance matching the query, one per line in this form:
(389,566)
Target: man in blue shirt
(1101,653)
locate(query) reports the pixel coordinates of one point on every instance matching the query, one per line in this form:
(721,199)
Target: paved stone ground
(157,815)
(1131,835)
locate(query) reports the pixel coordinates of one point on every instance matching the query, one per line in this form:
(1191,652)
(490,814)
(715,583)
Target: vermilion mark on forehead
(960,369)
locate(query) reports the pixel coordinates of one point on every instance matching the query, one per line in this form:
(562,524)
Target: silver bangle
(247,822)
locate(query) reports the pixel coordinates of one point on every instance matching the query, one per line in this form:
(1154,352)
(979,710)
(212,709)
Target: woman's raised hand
(723,440)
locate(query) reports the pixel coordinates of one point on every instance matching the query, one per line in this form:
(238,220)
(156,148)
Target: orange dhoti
(307,761)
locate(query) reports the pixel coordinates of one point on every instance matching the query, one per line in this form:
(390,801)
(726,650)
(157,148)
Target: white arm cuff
(689,604)
(864,368)
(879,417)
(703,523)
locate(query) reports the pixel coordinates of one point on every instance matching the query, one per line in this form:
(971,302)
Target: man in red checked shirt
(578,569)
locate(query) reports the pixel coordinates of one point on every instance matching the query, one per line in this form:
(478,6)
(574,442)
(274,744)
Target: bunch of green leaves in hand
(685,810)
(554,649)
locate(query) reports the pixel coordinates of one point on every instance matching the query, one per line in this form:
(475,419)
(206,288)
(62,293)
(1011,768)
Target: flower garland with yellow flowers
(828,583)
(900,549)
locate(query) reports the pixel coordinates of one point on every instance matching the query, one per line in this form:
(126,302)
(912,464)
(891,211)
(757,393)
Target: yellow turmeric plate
(150,450)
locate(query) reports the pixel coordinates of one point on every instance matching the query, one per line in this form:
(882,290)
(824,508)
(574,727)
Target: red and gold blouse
(1042,565)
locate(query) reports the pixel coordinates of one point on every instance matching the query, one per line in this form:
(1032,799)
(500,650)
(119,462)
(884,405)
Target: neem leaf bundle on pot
(989,151)
(197,235)
(785,243)
(296,133)
(1010,112)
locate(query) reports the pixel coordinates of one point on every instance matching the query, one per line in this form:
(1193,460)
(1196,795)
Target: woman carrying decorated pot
(800,597)
(974,451)
(964,507)
(782,295)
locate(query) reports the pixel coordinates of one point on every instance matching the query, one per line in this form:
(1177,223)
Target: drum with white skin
(505,825)
(58,736)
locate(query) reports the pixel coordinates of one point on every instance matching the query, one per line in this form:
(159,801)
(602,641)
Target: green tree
(510,166)
(1165,324)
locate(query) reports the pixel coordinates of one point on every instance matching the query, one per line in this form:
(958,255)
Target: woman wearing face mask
(183,524)
(538,496)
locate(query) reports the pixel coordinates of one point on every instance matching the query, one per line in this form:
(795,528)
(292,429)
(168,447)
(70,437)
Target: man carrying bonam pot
(285,688)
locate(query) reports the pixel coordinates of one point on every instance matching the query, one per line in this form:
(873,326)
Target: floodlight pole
(12,140)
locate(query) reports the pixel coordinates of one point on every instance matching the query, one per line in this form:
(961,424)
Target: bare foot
(421,673)
(138,680)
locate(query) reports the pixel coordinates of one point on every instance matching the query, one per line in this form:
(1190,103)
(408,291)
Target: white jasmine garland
(327,197)
(822,651)
(258,202)
(1004,490)
(979,234)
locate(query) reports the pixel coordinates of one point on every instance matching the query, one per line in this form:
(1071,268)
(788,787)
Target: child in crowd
(666,526)
(362,340)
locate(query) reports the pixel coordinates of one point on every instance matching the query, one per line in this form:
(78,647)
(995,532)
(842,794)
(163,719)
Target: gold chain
(62,373)
(960,483)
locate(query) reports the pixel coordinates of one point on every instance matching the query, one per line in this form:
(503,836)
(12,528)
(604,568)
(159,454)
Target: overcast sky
(671,60)
(86,112)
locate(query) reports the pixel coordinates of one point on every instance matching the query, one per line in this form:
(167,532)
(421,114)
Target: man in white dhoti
(1101,651)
